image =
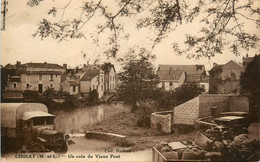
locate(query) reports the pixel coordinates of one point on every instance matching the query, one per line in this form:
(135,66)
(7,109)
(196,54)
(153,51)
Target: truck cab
(31,124)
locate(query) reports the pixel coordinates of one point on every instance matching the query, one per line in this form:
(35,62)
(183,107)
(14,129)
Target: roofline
(181,65)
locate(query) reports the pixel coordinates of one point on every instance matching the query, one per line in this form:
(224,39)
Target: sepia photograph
(130,80)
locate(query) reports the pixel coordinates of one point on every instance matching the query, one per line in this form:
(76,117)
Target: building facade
(70,86)
(173,76)
(35,77)
(225,79)
(93,79)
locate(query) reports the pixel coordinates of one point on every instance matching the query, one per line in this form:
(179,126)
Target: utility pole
(4,13)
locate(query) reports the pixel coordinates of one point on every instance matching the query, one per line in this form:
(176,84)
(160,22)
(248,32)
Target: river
(75,121)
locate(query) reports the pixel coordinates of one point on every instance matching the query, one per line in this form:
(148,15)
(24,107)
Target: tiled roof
(90,67)
(72,82)
(90,74)
(173,75)
(43,65)
(189,69)
(216,68)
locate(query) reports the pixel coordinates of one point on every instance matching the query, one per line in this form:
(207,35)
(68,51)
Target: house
(171,79)
(35,76)
(224,79)
(92,79)
(70,86)
(193,74)
(110,77)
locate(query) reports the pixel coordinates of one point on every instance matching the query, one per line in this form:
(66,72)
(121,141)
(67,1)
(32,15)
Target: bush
(144,111)
(93,97)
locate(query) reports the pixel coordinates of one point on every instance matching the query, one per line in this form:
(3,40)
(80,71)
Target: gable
(233,65)
(189,69)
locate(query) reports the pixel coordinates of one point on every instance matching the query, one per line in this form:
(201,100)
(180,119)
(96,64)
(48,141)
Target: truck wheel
(61,149)
(36,147)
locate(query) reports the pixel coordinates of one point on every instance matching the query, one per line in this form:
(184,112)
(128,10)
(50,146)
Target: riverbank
(125,123)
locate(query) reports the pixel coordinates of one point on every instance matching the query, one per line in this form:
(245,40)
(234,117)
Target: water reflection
(76,120)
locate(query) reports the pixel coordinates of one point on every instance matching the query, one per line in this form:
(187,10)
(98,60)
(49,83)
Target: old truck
(30,126)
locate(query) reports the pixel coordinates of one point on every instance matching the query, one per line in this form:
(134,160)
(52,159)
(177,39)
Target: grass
(125,123)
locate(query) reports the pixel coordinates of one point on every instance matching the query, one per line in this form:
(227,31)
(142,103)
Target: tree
(138,80)
(93,97)
(223,23)
(249,81)
(184,93)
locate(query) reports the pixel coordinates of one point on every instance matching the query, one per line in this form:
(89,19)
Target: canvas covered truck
(30,125)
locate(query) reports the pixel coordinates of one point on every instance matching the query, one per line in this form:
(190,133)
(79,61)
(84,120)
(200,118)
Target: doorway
(40,88)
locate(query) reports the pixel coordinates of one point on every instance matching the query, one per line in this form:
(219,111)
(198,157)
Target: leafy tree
(179,95)
(138,80)
(223,23)
(93,97)
(250,87)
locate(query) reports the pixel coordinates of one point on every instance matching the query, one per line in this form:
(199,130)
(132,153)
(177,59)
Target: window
(27,77)
(233,76)
(38,121)
(110,78)
(93,87)
(97,86)
(14,85)
(101,87)
(51,77)
(170,83)
(51,85)
(74,88)
(27,85)
(50,121)
(40,77)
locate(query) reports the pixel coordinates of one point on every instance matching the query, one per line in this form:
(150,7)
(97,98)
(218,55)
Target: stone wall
(162,121)
(201,106)
(187,112)
(207,101)
(239,104)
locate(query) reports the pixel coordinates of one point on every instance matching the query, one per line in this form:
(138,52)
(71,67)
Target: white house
(70,86)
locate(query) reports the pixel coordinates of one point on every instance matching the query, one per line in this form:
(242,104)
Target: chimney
(18,63)
(215,64)
(170,70)
(65,66)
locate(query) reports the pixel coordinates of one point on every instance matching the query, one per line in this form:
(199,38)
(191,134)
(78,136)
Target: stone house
(224,79)
(34,76)
(171,79)
(193,73)
(110,79)
(93,78)
(70,86)
(41,80)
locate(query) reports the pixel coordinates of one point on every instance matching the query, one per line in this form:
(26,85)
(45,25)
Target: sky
(17,43)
